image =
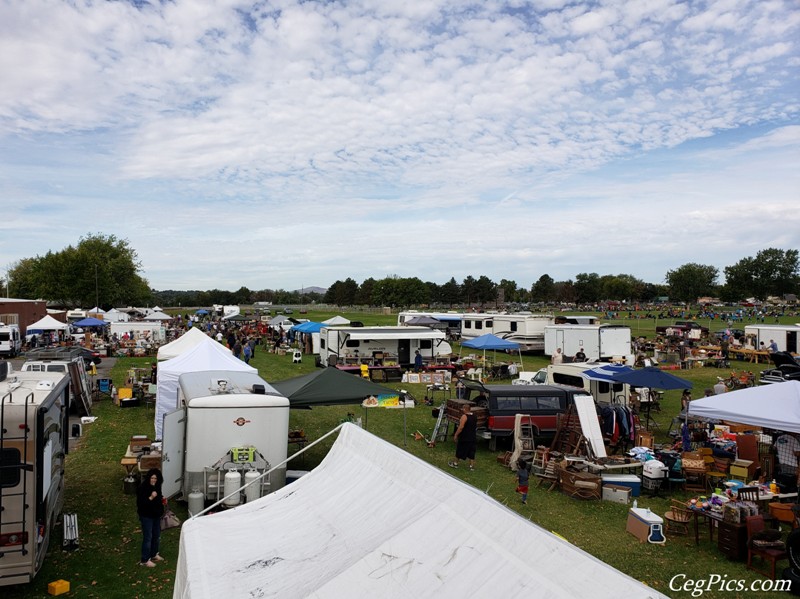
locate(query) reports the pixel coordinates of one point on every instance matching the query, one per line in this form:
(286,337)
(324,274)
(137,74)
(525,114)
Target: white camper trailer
(144,333)
(785,336)
(34,440)
(602,342)
(344,345)
(523,328)
(604,393)
(230,426)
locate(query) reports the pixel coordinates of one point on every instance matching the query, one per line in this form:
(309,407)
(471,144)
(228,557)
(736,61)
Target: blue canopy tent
(489,341)
(89,322)
(202,311)
(606,373)
(653,378)
(308,327)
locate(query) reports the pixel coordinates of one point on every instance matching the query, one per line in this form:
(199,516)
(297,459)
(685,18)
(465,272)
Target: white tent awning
(775,406)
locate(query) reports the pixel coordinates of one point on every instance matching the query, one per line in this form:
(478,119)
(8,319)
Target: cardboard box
(146,462)
(58,587)
(139,441)
(617,493)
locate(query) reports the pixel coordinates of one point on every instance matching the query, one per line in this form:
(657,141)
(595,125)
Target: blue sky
(287,144)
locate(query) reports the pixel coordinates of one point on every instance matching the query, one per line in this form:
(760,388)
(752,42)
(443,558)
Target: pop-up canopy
(775,406)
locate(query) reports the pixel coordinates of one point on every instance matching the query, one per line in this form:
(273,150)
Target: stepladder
(441,428)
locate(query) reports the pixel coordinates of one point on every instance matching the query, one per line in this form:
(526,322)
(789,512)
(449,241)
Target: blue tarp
(308,327)
(490,341)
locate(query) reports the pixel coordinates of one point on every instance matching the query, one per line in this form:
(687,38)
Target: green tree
(468,290)
(690,281)
(587,287)
(771,272)
(544,289)
(451,293)
(510,290)
(485,290)
(364,295)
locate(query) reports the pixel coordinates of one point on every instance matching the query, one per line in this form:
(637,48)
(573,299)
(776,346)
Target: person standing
(580,356)
(150,508)
(773,347)
(246,352)
(465,438)
(523,474)
(417,361)
(557,357)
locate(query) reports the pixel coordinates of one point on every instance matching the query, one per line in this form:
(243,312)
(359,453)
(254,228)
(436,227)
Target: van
(10,340)
(501,403)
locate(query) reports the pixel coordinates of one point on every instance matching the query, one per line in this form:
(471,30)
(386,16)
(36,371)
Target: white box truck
(784,335)
(10,340)
(602,342)
(229,426)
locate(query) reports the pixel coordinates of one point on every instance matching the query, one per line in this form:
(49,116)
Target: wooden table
(751,355)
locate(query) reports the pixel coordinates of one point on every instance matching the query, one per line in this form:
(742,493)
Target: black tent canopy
(328,387)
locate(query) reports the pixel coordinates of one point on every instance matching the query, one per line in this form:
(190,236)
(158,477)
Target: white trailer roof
(395,333)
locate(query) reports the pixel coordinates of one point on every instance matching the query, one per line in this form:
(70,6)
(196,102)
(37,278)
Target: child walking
(523,473)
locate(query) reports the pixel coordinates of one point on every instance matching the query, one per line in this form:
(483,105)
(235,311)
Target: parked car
(786,368)
(90,355)
(288,311)
(735,333)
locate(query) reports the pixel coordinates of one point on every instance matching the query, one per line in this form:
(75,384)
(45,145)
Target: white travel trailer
(601,342)
(448,321)
(34,441)
(10,340)
(604,393)
(146,332)
(785,336)
(341,345)
(230,426)
(523,328)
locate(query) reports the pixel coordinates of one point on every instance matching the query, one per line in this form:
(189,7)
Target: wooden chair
(678,518)
(694,472)
(550,475)
(748,494)
(755,524)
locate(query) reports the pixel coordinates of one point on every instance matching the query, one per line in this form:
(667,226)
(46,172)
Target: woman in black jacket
(150,507)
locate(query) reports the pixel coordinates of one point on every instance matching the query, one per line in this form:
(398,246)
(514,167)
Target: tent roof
(158,316)
(185,342)
(606,373)
(422,321)
(653,378)
(328,387)
(89,322)
(336,320)
(330,535)
(48,323)
(775,406)
(489,341)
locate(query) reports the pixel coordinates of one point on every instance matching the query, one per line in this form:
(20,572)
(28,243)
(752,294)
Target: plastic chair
(755,524)
(748,494)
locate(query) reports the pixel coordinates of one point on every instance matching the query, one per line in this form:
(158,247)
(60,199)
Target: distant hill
(320,290)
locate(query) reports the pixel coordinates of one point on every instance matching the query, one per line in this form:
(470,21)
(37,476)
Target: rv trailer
(34,441)
(343,345)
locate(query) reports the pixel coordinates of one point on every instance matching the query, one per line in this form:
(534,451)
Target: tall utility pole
(96,289)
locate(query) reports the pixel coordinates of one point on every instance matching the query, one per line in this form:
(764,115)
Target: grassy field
(105,566)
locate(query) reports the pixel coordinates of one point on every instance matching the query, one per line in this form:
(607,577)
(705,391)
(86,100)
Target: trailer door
(791,341)
(172,452)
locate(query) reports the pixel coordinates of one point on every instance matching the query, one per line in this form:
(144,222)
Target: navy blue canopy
(653,378)
(89,322)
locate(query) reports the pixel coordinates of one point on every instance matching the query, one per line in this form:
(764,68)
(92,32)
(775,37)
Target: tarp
(308,327)
(775,406)
(205,356)
(48,323)
(184,343)
(489,341)
(374,521)
(336,321)
(328,387)
(89,322)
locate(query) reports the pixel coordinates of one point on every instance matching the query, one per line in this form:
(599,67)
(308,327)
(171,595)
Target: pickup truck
(497,405)
(682,325)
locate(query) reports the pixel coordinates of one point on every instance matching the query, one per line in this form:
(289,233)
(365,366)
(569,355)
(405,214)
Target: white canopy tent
(775,406)
(48,323)
(374,521)
(114,315)
(205,356)
(184,343)
(157,316)
(336,321)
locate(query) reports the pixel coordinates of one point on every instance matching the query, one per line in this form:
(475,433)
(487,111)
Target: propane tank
(252,492)
(197,502)
(233,480)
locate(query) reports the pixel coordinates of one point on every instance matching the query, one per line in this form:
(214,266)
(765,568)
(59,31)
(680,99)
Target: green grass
(105,566)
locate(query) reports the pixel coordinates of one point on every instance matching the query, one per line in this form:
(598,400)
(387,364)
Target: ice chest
(624,480)
(616,493)
(645,525)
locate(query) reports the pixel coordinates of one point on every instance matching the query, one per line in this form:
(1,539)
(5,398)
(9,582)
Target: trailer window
(9,467)
(513,326)
(5,336)
(567,379)
(425,344)
(467,324)
(478,324)
(352,343)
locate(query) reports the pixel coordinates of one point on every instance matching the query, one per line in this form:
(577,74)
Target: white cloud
(233,122)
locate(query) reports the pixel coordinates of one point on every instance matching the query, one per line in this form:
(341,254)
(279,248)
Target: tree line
(106,270)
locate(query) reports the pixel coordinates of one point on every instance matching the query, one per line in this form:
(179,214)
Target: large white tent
(205,356)
(374,521)
(184,343)
(48,323)
(775,406)
(336,321)
(157,316)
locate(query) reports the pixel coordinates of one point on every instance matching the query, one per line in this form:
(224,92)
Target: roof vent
(259,389)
